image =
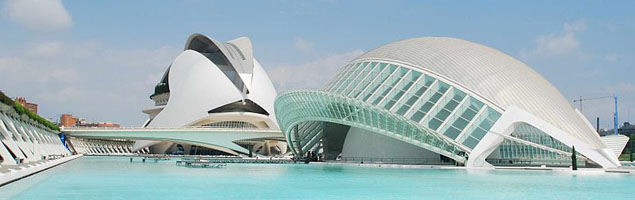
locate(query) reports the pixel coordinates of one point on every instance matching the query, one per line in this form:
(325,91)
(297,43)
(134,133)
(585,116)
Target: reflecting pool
(117,178)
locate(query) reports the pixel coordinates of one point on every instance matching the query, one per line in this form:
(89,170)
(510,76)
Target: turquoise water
(117,178)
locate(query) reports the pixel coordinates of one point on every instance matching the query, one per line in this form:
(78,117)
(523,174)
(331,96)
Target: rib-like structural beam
(305,106)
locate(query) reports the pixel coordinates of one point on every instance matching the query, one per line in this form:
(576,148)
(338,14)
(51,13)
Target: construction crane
(580,100)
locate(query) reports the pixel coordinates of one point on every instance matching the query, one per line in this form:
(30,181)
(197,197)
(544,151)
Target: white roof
(491,74)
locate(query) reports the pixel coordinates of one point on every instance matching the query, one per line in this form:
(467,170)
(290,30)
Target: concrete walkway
(9,174)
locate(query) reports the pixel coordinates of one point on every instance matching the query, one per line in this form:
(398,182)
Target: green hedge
(5,99)
(21,110)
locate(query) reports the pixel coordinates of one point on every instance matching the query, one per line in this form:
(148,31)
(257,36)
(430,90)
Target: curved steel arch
(300,106)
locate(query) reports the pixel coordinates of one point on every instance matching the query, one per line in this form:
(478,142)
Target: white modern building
(23,140)
(214,85)
(441,100)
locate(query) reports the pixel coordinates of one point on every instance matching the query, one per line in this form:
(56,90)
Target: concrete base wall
(363,143)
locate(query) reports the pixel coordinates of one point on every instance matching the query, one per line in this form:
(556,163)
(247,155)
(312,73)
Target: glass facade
(302,107)
(408,104)
(415,105)
(421,98)
(515,153)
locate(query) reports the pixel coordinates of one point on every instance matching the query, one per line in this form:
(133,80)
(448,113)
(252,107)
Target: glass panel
(479,133)
(376,70)
(468,114)
(460,123)
(486,124)
(443,87)
(475,104)
(470,142)
(434,124)
(426,107)
(361,72)
(443,114)
(429,81)
(458,95)
(417,116)
(375,84)
(389,104)
(435,97)
(493,115)
(452,132)
(451,105)
(403,109)
(412,100)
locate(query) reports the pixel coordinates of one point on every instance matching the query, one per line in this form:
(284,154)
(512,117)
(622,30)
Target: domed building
(214,85)
(438,100)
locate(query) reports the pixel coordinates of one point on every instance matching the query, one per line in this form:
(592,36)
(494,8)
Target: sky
(100,60)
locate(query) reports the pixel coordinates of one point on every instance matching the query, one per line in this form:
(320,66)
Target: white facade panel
(196,86)
(262,90)
(212,76)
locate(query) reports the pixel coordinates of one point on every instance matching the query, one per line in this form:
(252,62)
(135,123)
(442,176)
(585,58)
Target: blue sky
(100,59)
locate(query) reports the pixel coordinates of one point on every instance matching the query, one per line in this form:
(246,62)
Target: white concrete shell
(207,76)
(467,100)
(503,82)
(192,74)
(491,74)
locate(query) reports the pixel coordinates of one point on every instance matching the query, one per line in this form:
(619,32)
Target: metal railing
(528,162)
(412,161)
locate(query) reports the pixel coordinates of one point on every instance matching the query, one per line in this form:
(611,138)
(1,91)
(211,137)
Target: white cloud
(557,43)
(89,79)
(312,74)
(21,70)
(63,95)
(47,49)
(303,45)
(44,15)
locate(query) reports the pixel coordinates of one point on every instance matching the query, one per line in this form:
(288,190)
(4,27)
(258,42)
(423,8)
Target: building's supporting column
(22,142)
(7,159)
(29,141)
(7,141)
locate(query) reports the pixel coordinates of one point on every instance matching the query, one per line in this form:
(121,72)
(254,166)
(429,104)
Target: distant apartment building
(28,105)
(68,120)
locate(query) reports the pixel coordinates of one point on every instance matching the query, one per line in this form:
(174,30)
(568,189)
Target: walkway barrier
(270,160)
(527,162)
(411,161)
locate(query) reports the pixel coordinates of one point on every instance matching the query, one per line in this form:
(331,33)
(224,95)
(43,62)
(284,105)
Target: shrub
(5,99)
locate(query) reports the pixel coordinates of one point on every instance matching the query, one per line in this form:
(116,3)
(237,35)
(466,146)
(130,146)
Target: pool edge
(24,172)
